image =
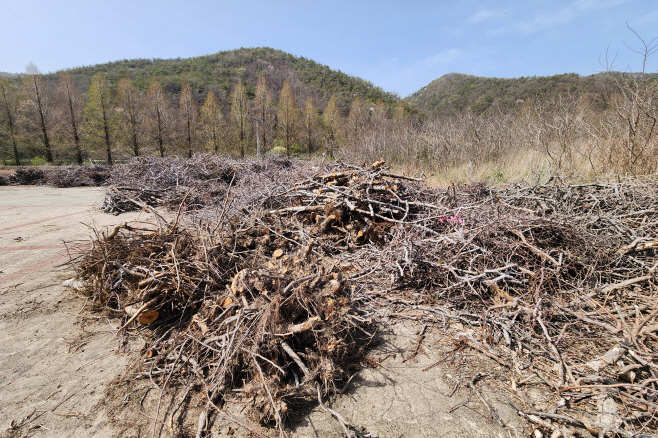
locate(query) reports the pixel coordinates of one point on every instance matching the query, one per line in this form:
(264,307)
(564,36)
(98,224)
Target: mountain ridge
(218,72)
(458,92)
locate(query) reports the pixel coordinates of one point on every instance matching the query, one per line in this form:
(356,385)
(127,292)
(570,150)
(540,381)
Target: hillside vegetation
(456,93)
(220,71)
(241,102)
(248,102)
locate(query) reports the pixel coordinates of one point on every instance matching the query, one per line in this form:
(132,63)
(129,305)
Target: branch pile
(198,183)
(66,176)
(268,297)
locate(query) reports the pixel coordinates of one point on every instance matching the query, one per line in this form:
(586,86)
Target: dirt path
(55,363)
(57,360)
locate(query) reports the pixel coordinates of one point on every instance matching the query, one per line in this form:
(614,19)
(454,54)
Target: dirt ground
(58,359)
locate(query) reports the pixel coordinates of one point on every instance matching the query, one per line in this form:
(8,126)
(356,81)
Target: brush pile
(67,176)
(198,183)
(269,296)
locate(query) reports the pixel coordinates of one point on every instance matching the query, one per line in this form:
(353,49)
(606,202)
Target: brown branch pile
(270,293)
(65,176)
(202,180)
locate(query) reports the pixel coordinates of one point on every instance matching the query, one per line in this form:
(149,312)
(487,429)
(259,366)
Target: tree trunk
(17,159)
(12,133)
(135,144)
(310,141)
(74,128)
(44,131)
(189,138)
(133,126)
(159,138)
(106,130)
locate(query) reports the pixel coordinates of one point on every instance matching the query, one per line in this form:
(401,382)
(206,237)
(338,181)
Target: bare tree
(35,106)
(159,116)
(310,125)
(356,121)
(129,115)
(287,117)
(633,96)
(98,114)
(240,116)
(265,111)
(9,103)
(188,113)
(332,121)
(69,106)
(212,122)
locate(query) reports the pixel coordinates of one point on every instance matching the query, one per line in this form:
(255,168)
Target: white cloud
(390,73)
(485,15)
(444,57)
(549,19)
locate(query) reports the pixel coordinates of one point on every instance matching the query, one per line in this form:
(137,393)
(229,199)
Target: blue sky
(398,45)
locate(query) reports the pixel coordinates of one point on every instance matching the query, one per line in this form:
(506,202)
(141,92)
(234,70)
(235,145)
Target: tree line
(567,132)
(61,123)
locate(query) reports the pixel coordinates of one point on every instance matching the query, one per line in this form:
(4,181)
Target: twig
(336,415)
(484,402)
(296,358)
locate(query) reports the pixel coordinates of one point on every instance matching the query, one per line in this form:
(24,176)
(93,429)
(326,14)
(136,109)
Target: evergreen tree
(212,122)
(69,106)
(240,116)
(287,117)
(188,113)
(98,114)
(129,115)
(8,107)
(35,107)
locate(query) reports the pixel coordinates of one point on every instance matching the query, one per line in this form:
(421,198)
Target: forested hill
(221,71)
(454,92)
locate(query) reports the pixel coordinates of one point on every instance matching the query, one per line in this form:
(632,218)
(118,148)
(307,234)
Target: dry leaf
(148,316)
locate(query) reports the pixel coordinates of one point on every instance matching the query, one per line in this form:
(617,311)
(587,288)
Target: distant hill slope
(4,74)
(220,71)
(457,92)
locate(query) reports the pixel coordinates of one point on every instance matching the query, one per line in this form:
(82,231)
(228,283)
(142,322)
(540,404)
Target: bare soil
(60,363)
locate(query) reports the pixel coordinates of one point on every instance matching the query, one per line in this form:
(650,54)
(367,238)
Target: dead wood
(278,279)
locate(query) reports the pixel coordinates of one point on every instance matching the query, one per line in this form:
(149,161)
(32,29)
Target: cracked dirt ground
(57,359)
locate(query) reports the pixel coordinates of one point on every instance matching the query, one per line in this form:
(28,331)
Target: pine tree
(129,115)
(287,117)
(188,113)
(240,116)
(310,125)
(265,111)
(69,106)
(8,108)
(212,122)
(98,114)
(35,107)
(159,119)
(333,126)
